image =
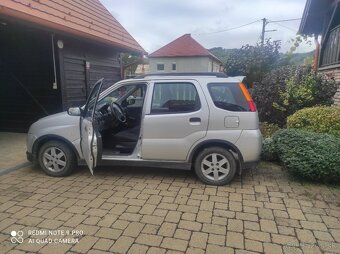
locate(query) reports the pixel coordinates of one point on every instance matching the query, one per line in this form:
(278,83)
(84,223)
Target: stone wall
(335,73)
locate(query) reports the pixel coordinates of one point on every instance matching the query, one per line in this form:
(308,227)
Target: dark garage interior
(26,77)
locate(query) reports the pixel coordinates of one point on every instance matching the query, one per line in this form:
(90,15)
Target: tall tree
(253,61)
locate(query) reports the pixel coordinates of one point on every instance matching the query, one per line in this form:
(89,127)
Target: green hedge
(268,150)
(316,119)
(309,155)
(268,129)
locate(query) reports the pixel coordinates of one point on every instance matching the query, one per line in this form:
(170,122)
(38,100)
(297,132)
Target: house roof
(183,46)
(313,16)
(88,19)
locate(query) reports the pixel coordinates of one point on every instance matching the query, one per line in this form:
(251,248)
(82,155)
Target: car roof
(216,76)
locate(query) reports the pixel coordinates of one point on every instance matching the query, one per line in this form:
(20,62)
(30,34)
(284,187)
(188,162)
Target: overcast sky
(154,23)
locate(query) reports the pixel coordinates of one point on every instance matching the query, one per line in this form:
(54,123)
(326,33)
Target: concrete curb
(14,168)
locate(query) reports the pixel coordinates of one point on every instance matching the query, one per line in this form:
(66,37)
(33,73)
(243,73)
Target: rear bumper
(250,145)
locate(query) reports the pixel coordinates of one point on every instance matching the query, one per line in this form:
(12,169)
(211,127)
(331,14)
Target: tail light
(248,98)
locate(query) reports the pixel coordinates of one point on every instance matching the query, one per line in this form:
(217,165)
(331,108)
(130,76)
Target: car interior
(118,119)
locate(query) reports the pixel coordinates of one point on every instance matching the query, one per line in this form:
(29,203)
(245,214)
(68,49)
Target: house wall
(334,73)
(216,66)
(183,64)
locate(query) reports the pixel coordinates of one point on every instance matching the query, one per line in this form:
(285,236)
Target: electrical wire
(229,29)
(284,20)
(289,28)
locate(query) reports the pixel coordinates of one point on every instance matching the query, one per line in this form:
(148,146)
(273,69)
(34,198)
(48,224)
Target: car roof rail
(174,74)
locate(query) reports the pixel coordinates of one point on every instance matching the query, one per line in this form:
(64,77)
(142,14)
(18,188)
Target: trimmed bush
(316,119)
(268,150)
(268,129)
(309,155)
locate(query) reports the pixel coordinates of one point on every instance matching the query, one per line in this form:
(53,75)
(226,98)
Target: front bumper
(29,156)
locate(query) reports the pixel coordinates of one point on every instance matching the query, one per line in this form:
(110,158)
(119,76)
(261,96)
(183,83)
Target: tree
(253,61)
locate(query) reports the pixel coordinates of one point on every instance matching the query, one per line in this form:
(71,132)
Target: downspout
(55,85)
(317,53)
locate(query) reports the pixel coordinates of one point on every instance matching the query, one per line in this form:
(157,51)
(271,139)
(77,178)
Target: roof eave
(311,22)
(57,27)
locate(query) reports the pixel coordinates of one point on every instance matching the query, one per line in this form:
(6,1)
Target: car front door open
(88,135)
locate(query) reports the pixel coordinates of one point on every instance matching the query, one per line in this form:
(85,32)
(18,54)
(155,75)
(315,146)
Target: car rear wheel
(56,158)
(215,166)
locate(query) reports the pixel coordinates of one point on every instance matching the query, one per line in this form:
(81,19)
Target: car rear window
(228,96)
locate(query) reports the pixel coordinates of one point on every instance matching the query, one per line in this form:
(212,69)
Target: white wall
(183,64)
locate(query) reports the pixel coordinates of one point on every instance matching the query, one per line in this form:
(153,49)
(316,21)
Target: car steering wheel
(118,112)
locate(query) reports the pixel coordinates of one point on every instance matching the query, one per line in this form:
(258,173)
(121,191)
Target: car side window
(172,98)
(228,96)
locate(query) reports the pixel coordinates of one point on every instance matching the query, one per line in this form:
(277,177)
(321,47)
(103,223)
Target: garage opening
(27,92)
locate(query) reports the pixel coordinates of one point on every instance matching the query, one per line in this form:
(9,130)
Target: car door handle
(195,120)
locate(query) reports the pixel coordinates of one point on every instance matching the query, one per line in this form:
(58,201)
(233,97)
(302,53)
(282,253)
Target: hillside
(296,58)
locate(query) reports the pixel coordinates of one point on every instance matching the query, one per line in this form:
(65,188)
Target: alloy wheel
(54,159)
(215,166)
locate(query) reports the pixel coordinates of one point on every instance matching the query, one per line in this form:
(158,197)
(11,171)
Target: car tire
(56,158)
(215,166)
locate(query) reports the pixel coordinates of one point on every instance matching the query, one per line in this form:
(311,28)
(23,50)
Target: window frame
(172,66)
(160,64)
(178,112)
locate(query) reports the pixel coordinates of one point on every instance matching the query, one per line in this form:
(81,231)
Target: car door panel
(170,136)
(88,134)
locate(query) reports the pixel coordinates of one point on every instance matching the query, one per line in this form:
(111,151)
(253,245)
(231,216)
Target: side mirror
(74,111)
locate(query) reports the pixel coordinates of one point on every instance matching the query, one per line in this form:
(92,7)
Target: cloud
(154,23)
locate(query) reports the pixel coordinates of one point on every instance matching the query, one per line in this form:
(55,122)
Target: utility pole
(264,23)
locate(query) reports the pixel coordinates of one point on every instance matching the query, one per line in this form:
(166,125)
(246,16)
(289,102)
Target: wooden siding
(81,65)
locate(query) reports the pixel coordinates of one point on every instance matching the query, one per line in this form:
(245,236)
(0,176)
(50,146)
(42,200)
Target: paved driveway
(12,149)
(124,210)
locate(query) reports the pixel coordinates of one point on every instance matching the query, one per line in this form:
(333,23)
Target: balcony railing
(330,54)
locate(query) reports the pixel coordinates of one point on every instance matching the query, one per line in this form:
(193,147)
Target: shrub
(316,119)
(309,155)
(268,150)
(288,89)
(268,129)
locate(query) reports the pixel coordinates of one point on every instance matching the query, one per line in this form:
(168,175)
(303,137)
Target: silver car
(204,121)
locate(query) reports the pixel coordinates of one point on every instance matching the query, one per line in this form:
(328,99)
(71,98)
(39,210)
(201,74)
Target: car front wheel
(56,158)
(215,166)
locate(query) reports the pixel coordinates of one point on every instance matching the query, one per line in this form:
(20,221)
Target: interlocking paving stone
(128,210)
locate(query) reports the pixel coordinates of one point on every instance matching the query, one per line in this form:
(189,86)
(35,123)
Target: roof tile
(85,18)
(183,46)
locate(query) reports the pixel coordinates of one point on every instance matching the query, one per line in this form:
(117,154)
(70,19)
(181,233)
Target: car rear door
(176,118)
(88,134)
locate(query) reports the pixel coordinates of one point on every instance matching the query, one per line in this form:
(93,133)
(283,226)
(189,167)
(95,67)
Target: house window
(160,67)
(173,67)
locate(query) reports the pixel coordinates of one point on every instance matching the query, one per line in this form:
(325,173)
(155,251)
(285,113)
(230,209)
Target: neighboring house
(184,55)
(142,69)
(51,54)
(322,17)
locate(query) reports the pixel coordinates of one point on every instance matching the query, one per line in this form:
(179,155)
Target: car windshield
(117,95)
